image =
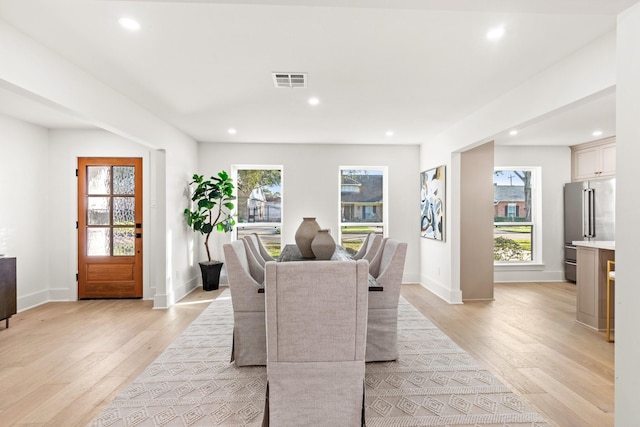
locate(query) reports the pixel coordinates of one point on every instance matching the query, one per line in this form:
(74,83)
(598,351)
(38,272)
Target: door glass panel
(123,180)
(98,242)
(110,212)
(123,210)
(98,211)
(123,241)
(98,180)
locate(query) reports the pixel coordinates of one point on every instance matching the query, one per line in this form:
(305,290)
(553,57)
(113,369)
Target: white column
(627,352)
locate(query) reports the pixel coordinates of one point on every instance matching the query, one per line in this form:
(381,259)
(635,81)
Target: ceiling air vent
(289,80)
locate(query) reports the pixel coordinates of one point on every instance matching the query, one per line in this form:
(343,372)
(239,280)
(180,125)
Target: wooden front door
(109,227)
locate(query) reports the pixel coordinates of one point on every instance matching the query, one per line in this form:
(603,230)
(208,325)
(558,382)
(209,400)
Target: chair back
(249,333)
(242,258)
(316,315)
(369,247)
(252,245)
(258,249)
(382,327)
(390,270)
(262,249)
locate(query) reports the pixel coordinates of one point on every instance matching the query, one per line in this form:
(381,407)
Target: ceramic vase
(323,245)
(305,235)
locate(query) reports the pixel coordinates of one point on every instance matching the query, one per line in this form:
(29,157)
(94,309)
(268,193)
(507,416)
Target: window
(516,221)
(259,204)
(511,210)
(363,190)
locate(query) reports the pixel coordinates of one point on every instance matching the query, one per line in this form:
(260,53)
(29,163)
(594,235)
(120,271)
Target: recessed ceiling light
(232,131)
(495,33)
(597,133)
(513,132)
(129,23)
(314,101)
(389,133)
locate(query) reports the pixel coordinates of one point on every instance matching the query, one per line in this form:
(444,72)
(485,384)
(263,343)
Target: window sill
(519,266)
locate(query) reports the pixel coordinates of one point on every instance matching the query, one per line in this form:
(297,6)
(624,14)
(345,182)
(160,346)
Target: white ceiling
(376,65)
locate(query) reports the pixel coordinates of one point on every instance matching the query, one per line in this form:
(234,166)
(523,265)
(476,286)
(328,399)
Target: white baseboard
(449,295)
(35,299)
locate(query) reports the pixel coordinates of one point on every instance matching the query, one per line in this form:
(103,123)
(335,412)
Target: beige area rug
(434,383)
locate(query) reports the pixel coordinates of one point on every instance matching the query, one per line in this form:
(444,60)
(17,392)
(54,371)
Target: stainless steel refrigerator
(589,214)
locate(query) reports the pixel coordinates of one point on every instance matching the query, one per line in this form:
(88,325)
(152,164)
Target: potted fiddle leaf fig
(211,211)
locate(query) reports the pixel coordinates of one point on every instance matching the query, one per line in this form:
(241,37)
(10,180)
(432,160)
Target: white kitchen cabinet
(594,160)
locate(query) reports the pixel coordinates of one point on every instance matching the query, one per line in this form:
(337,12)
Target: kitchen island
(591,282)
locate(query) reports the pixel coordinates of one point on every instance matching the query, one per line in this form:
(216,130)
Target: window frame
(385,197)
(234,174)
(536,217)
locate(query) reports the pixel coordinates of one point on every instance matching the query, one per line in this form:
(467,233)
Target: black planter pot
(210,274)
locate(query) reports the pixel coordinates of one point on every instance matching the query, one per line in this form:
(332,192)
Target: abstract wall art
(432,203)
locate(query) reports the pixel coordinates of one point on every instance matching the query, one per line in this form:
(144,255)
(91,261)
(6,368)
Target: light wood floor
(62,363)
(528,338)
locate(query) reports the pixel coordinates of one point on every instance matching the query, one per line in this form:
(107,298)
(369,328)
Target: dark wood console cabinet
(7,289)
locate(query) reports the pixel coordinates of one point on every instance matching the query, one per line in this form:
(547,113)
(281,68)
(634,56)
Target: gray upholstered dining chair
(382,325)
(369,247)
(316,329)
(258,249)
(245,279)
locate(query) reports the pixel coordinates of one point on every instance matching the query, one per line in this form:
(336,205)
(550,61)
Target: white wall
(73,91)
(168,268)
(181,271)
(437,271)
(574,78)
(37,164)
(65,147)
(25,202)
(311,185)
(556,171)
(627,354)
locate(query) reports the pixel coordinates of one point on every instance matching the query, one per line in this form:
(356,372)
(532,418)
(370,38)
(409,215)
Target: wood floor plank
(86,402)
(586,412)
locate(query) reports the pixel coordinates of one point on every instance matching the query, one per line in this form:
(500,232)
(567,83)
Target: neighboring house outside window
(362,204)
(509,201)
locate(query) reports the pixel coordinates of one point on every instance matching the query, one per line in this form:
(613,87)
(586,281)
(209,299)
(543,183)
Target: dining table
(291,253)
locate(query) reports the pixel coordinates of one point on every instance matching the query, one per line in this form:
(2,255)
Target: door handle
(138,235)
(588,212)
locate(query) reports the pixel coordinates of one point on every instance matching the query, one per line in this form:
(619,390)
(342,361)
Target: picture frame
(433,203)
